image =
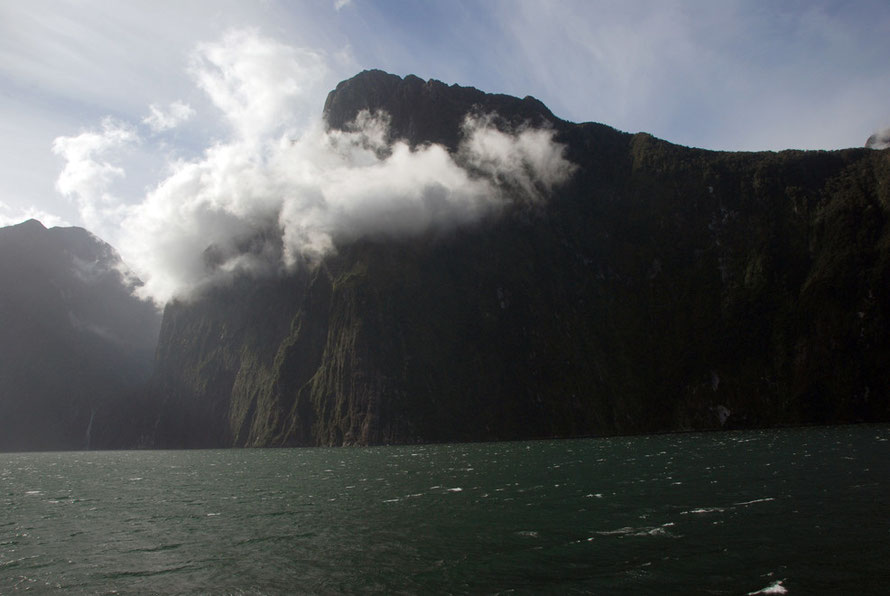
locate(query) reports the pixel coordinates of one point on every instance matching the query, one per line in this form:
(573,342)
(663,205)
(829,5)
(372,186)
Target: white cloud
(66,63)
(340,4)
(879,140)
(325,188)
(284,189)
(526,160)
(161,120)
(258,82)
(90,170)
(10,216)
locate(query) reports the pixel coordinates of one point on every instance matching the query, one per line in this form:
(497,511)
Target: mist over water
(798,511)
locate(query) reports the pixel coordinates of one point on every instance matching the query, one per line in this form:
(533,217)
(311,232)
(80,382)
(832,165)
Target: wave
(701,510)
(773,588)
(756,501)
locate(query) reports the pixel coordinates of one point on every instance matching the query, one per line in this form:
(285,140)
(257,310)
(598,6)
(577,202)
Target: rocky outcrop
(425,111)
(663,288)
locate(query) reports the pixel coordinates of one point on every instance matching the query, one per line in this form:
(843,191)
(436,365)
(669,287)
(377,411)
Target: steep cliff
(75,345)
(661,288)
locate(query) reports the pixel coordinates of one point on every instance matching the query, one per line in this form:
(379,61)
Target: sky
(133,118)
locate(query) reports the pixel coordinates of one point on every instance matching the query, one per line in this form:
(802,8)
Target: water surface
(803,511)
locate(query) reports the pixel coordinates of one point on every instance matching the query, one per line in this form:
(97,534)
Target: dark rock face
(425,111)
(74,343)
(663,288)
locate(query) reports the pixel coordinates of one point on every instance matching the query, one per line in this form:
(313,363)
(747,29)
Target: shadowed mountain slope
(662,288)
(74,343)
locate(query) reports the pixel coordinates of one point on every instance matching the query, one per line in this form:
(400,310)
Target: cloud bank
(283,190)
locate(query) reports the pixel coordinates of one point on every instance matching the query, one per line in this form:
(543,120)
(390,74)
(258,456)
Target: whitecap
(392,500)
(456,489)
(618,532)
(641,531)
(757,501)
(704,510)
(774,588)
(33,492)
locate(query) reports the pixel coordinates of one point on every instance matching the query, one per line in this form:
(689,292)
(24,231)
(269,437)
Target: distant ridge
(74,343)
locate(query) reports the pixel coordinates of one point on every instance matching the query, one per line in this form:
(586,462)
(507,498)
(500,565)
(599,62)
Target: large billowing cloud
(283,190)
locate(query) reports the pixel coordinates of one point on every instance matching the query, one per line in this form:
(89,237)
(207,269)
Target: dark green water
(804,511)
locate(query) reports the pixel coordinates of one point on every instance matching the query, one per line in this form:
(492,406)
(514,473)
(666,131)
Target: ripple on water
(156,549)
(113,575)
(160,536)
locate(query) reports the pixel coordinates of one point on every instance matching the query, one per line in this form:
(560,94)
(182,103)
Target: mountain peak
(425,111)
(30,224)
(29,231)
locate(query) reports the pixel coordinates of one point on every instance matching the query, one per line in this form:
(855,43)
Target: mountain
(661,288)
(74,343)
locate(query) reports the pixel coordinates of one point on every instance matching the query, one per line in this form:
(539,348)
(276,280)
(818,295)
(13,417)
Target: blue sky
(736,75)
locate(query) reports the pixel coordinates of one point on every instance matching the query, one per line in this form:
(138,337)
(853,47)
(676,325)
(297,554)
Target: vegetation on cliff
(661,288)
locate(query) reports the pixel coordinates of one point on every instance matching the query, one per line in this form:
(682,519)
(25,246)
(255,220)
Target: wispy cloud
(258,83)
(90,170)
(879,140)
(160,119)
(726,75)
(10,216)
